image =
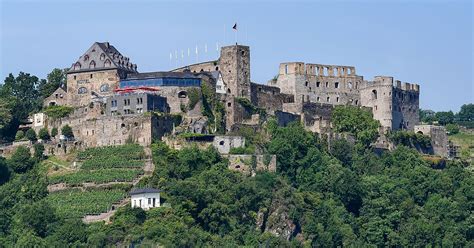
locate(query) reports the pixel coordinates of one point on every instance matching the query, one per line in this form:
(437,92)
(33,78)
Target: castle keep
(114,103)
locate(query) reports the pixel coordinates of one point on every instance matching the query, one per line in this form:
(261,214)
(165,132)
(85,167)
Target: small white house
(145,198)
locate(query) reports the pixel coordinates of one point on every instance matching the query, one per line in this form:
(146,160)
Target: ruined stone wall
(317,117)
(223,144)
(82,84)
(59,97)
(285,118)
(330,84)
(250,164)
(200,67)
(439,138)
(269,97)
(405,105)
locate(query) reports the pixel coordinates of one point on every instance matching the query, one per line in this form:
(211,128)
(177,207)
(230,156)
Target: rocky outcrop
(276,220)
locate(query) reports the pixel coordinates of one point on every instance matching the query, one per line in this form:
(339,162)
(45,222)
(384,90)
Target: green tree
(56,78)
(445,117)
(31,134)
(4,171)
(39,151)
(21,160)
(39,217)
(356,121)
(19,135)
(466,113)
(67,131)
(54,132)
(452,128)
(43,134)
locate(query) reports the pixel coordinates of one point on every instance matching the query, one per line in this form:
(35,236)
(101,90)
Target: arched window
(104,88)
(102,56)
(374,95)
(92,64)
(86,57)
(82,90)
(182,94)
(228,91)
(77,66)
(107,63)
(349,85)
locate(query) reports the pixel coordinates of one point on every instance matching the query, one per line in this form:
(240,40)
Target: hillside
(345,195)
(465,139)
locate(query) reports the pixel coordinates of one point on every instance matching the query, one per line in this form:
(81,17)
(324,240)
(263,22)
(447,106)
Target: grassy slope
(465,139)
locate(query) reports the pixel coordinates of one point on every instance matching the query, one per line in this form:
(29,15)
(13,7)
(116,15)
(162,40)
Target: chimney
(106,44)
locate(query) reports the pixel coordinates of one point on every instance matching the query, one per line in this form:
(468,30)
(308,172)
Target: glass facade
(155,82)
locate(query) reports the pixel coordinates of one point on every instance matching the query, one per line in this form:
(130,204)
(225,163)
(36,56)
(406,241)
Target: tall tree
(55,79)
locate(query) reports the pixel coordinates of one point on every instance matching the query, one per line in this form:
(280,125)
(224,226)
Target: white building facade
(145,198)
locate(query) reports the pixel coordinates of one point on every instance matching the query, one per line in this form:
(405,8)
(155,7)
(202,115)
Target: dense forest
(323,194)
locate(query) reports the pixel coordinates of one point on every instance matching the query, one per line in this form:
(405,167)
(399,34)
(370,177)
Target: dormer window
(102,56)
(77,66)
(107,63)
(86,57)
(92,64)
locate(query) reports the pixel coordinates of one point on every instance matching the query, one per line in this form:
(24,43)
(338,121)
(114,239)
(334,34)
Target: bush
(31,135)
(452,129)
(39,151)
(19,135)
(44,134)
(54,132)
(67,131)
(194,96)
(356,121)
(21,160)
(57,111)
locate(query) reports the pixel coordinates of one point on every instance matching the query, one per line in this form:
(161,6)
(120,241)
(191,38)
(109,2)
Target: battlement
(317,69)
(389,81)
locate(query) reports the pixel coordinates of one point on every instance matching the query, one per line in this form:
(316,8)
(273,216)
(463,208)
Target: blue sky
(424,42)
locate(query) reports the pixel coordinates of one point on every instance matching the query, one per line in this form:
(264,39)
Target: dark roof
(160,74)
(144,190)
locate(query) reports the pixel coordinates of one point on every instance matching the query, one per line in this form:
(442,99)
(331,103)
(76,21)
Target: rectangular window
(286,69)
(318,84)
(149,201)
(336,85)
(337,99)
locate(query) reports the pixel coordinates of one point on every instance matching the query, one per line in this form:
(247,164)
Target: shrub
(30,134)
(21,160)
(193,95)
(452,129)
(67,131)
(57,111)
(54,132)
(39,151)
(20,135)
(44,134)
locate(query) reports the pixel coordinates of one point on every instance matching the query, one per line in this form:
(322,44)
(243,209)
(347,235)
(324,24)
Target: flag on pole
(235,27)
(188,51)
(196,49)
(182,54)
(171,56)
(217,46)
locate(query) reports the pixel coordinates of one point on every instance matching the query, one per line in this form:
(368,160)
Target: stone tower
(234,65)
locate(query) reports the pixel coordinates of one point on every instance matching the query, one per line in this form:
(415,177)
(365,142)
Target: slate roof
(92,59)
(144,190)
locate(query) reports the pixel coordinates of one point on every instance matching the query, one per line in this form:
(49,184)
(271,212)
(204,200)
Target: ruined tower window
(349,85)
(306,84)
(318,99)
(228,91)
(217,68)
(335,72)
(286,69)
(318,84)
(337,99)
(327,84)
(74,77)
(375,107)
(374,95)
(328,99)
(243,53)
(91,75)
(221,143)
(357,102)
(92,64)
(81,90)
(336,85)
(349,71)
(229,104)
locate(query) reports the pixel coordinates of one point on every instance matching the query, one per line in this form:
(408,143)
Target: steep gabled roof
(102,56)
